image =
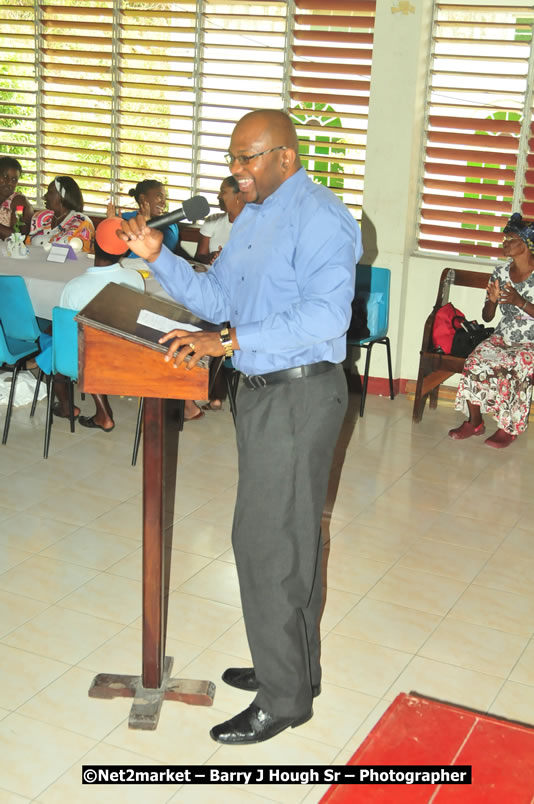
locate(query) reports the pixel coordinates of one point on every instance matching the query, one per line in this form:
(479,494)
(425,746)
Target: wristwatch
(226,341)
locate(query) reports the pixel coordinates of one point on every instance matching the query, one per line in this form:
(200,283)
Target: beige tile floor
(429,573)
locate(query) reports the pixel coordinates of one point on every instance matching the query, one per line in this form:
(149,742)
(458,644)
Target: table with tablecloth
(45,279)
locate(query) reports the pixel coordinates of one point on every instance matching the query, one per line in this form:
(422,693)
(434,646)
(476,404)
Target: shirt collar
(98,269)
(283,195)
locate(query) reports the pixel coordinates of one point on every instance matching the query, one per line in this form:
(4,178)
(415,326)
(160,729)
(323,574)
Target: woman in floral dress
(499,373)
(63,219)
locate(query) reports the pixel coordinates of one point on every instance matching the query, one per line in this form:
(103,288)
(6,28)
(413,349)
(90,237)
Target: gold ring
(192,346)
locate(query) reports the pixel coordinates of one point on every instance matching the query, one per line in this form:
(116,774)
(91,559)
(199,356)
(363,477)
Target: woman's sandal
(500,439)
(56,410)
(466,430)
(198,415)
(214,404)
(89,421)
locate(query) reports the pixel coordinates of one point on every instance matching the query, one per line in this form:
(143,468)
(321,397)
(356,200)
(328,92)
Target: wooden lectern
(117,355)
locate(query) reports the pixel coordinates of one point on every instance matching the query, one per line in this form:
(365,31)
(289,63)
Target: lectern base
(147,703)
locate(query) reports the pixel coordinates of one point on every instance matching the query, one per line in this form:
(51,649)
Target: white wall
(392,174)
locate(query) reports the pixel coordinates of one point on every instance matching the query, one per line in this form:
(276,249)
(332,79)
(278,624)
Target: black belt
(255,381)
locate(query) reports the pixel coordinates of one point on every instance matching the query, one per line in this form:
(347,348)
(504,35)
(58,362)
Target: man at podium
(285,282)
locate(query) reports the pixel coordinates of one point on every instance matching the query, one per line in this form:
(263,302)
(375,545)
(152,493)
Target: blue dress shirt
(285,279)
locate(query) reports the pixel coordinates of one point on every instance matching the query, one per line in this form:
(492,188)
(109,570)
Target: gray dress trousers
(286,436)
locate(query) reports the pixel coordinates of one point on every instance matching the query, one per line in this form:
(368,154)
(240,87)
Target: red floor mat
(420,731)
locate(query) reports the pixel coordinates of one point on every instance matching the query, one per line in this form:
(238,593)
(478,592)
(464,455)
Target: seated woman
(151,199)
(63,217)
(499,373)
(215,231)
(10,200)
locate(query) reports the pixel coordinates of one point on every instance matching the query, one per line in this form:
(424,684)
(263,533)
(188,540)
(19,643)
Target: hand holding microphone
(143,237)
(136,235)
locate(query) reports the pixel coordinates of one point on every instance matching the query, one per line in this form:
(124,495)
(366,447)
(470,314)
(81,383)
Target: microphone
(106,231)
(192,210)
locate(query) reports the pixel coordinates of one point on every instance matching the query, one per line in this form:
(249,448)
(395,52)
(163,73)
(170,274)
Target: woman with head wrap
(63,218)
(499,373)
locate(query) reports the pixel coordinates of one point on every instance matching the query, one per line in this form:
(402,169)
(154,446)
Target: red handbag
(446,322)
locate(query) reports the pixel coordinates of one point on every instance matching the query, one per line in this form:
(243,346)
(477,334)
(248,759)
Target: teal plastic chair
(13,356)
(64,362)
(16,310)
(65,343)
(19,335)
(372,287)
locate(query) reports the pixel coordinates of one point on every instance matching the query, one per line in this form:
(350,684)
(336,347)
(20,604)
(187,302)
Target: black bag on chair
(468,335)
(358,328)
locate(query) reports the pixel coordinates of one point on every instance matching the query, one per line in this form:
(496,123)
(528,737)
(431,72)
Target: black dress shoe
(244,678)
(254,725)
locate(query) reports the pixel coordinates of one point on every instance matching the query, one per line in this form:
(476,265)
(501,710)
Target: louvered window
(76,90)
(241,68)
(479,123)
(329,94)
(155,94)
(114,91)
(18,88)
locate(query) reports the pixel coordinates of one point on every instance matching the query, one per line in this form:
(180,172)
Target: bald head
(269,136)
(272,123)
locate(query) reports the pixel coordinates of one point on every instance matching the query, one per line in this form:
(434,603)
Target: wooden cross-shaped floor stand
(118,356)
(160,452)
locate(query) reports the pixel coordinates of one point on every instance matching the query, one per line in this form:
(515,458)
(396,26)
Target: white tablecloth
(45,279)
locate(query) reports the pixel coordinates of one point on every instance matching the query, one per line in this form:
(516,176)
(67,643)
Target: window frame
(428,179)
(49,157)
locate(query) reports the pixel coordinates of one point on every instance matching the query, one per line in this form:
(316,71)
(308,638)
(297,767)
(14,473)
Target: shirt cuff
(249,337)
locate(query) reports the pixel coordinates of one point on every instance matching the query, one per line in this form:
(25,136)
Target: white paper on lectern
(162,324)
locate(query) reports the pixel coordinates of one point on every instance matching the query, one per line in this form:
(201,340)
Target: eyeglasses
(509,238)
(244,160)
